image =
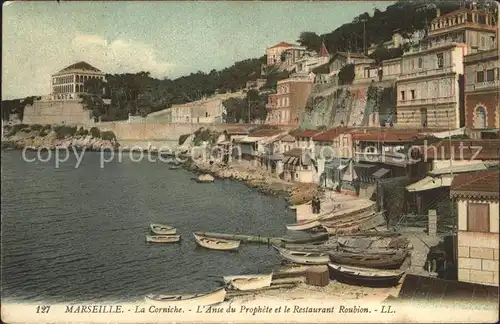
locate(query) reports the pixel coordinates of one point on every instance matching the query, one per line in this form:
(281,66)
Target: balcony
(426,73)
(483,86)
(426,101)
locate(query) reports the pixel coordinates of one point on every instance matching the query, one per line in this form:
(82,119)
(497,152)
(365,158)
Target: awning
(380,173)
(249,139)
(429,183)
(342,167)
(276,157)
(224,143)
(459,168)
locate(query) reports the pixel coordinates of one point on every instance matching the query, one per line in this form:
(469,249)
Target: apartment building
(471,26)
(285,106)
(429,86)
(482,87)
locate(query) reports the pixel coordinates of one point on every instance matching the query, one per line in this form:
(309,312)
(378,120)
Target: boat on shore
(303,225)
(216,243)
(367,220)
(163,238)
(175,167)
(367,277)
(205,178)
(248,282)
(302,257)
(160,229)
(210,298)
(377,261)
(322,237)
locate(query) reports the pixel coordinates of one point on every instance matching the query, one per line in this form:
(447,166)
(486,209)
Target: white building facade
(428,91)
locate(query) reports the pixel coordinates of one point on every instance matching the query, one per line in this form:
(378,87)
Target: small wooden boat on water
(163,238)
(303,225)
(367,277)
(160,229)
(302,257)
(175,167)
(248,282)
(215,243)
(378,261)
(210,298)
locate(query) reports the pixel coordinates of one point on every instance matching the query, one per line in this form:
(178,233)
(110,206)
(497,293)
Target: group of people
(316,205)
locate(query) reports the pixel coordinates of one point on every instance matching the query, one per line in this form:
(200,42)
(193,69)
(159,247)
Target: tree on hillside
(346,74)
(310,40)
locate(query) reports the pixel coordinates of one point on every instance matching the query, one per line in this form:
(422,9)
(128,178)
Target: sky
(168,39)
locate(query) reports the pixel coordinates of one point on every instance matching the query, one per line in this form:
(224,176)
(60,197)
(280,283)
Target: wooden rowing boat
(312,247)
(248,282)
(367,277)
(160,229)
(301,257)
(368,222)
(210,298)
(310,239)
(345,214)
(378,261)
(216,244)
(163,238)
(303,225)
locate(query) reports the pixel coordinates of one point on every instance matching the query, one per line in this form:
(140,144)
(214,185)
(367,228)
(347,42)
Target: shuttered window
(478,217)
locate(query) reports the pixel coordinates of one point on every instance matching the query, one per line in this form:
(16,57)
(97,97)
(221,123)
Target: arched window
(480,118)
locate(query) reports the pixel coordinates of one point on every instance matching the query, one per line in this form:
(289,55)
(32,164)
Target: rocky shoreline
(295,193)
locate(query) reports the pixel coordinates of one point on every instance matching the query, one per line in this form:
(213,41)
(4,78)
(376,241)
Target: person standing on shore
(318,205)
(314,205)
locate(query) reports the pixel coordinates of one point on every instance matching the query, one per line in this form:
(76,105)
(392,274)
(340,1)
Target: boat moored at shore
(203,299)
(248,282)
(216,244)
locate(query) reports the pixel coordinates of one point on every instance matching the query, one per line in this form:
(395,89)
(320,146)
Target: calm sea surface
(78,234)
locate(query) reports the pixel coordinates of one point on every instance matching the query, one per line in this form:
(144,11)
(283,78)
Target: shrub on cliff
(36,127)
(108,136)
(63,131)
(95,132)
(82,132)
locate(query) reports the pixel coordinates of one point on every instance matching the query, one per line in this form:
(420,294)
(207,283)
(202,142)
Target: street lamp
(364,35)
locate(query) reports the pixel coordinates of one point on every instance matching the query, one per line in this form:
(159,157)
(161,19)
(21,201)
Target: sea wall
(56,112)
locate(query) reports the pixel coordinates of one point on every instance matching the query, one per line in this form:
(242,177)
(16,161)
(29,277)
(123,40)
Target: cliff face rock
(258,178)
(48,138)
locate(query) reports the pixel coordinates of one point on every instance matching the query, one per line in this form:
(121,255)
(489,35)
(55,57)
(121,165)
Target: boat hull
(210,298)
(303,226)
(163,238)
(306,258)
(377,261)
(313,238)
(216,244)
(160,229)
(248,282)
(364,276)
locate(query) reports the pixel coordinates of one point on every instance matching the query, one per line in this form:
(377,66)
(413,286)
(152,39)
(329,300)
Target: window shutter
(478,218)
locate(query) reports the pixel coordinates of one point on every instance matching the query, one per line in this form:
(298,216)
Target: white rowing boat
(304,257)
(210,298)
(248,282)
(160,229)
(303,225)
(364,276)
(163,238)
(216,244)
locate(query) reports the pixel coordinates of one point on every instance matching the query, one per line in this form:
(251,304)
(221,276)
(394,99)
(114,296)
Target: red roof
(305,133)
(80,66)
(477,184)
(388,136)
(331,134)
(324,51)
(282,44)
(463,149)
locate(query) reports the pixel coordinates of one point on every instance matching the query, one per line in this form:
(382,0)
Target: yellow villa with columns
(68,83)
